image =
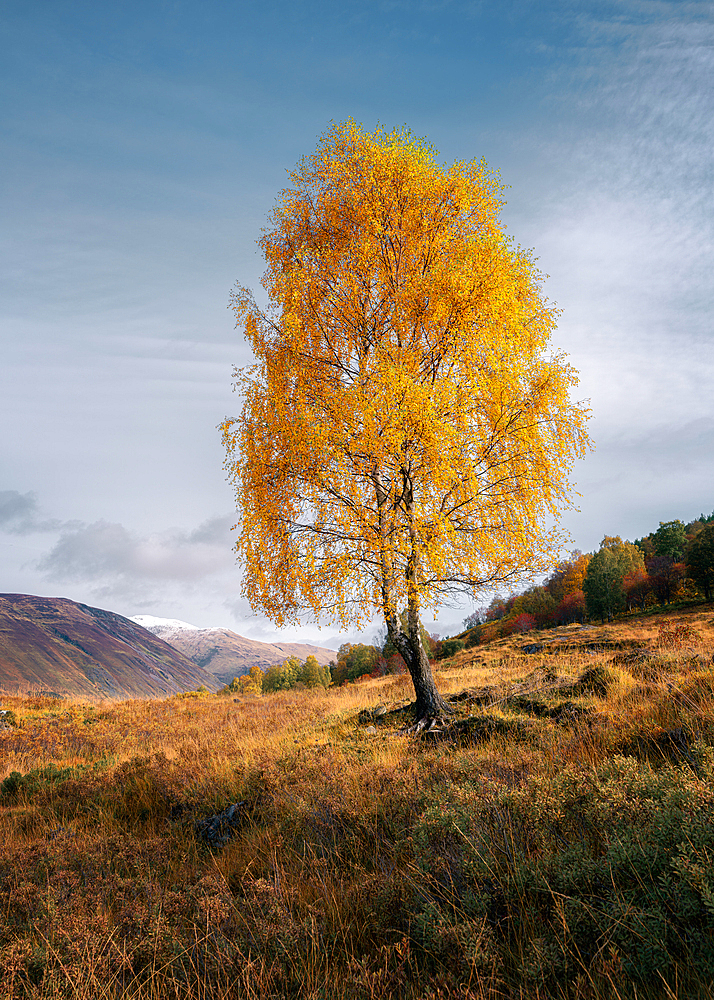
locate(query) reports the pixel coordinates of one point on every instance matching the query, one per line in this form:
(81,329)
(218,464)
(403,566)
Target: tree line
(675,562)
(291,673)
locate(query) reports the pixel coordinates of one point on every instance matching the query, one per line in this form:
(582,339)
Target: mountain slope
(225,653)
(54,644)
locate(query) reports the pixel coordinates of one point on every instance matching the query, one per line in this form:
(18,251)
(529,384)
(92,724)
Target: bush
(615,862)
(35,781)
(449,647)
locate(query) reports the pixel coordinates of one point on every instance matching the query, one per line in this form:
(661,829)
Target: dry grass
(556,845)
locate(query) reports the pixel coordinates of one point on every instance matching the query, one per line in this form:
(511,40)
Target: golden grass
(373,864)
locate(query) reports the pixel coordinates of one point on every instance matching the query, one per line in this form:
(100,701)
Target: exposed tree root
(427,724)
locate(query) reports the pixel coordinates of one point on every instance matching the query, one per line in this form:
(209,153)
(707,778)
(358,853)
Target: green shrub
(616,861)
(449,647)
(39,779)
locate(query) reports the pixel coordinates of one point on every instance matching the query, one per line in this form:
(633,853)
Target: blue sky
(142,148)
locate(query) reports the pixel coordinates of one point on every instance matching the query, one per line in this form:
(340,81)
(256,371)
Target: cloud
(15,506)
(104,551)
(19,514)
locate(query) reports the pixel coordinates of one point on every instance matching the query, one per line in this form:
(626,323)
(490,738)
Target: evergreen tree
(700,560)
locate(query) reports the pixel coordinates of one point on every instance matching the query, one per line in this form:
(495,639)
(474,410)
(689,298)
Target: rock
(370,730)
(218,829)
(376,714)
(7,719)
(533,647)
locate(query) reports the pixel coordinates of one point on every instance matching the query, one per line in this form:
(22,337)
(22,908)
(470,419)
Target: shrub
(448,647)
(616,862)
(37,780)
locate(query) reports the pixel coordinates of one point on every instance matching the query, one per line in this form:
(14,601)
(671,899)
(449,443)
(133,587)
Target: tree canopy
(700,560)
(405,430)
(603,583)
(670,539)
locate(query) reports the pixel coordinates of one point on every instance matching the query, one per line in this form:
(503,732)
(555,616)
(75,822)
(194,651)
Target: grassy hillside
(57,645)
(556,840)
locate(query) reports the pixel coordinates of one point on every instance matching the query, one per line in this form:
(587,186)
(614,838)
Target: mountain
(224,653)
(55,645)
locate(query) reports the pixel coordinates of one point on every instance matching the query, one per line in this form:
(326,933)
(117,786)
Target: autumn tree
(405,430)
(314,674)
(354,661)
(567,577)
(537,603)
(282,676)
(637,586)
(572,608)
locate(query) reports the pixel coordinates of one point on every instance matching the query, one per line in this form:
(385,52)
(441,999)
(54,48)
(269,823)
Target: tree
(670,539)
(405,432)
(312,674)
(355,661)
(700,560)
(665,576)
(250,683)
(603,584)
(536,602)
(282,677)
(568,576)
(571,609)
(637,587)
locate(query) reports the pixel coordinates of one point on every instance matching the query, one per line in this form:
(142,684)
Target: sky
(142,147)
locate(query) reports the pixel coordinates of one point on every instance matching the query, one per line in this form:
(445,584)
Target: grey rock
(218,829)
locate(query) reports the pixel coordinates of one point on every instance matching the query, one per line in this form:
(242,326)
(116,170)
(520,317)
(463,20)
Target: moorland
(554,840)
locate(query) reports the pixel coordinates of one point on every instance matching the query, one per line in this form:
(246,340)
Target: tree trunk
(429,702)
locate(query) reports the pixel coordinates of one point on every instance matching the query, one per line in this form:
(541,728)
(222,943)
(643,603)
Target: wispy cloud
(20,514)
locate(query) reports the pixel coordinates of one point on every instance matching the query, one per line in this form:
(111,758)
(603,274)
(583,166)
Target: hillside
(224,653)
(630,632)
(54,644)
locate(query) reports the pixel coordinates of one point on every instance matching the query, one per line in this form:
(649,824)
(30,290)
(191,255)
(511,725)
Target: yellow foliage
(405,430)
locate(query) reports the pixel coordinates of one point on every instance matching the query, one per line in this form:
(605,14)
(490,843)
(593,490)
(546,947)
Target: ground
(552,839)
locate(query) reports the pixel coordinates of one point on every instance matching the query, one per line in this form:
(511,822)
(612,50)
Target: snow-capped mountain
(224,653)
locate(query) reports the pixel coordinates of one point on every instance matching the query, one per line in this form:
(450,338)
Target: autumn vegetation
(670,566)
(556,842)
(674,563)
(406,432)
